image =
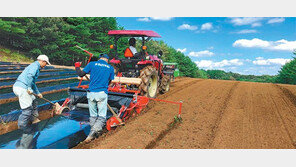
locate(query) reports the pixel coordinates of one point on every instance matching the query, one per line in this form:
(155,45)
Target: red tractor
(141,65)
(138,79)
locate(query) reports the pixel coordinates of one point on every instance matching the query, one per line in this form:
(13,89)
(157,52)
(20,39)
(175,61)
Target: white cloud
(182,50)
(211,47)
(209,64)
(251,43)
(282,44)
(246,31)
(264,62)
(256,24)
(148,19)
(276,20)
(259,58)
(255,21)
(240,21)
(204,53)
(187,27)
(207,26)
(162,18)
(145,19)
(205,64)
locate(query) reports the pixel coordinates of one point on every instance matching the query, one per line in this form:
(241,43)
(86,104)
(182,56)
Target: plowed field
(216,114)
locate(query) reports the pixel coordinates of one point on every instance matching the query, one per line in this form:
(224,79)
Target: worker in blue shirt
(23,88)
(101,74)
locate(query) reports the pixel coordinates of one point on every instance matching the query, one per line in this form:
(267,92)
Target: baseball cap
(43,58)
(104,55)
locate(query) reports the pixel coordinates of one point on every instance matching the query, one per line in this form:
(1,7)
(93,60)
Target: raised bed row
(10,97)
(13,115)
(42,70)
(8,63)
(59,132)
(20,68)
(42,74)
(41,80)
(13,65)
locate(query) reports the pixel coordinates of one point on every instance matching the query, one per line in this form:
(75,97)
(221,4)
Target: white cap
(43,58)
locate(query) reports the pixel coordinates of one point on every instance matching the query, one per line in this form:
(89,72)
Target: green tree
(287,74)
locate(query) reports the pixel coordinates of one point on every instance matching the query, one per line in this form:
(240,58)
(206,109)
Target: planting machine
(139,77)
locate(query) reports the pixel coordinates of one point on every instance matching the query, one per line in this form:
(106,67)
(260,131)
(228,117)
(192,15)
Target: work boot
(25,142)
(35,120)
(90,137)
(25,119)
(35,112)
(92,133)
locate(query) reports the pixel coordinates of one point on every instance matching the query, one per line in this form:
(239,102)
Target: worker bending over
(101,74)
(23,88)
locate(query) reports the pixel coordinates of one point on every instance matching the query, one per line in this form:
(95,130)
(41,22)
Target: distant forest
(57,37)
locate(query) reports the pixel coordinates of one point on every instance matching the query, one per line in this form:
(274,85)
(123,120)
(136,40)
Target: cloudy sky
(249,45)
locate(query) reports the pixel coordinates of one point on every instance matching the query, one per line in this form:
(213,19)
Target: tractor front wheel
(149,84)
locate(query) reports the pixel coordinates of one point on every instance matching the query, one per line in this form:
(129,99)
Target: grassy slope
(8,55)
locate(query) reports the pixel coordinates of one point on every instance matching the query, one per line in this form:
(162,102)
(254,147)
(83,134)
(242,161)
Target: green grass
(8,55)
(7,51)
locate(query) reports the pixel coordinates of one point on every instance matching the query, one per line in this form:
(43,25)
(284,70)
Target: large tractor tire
(165,84)
(149,84)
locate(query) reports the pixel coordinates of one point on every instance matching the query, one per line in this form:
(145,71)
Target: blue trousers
(97,102)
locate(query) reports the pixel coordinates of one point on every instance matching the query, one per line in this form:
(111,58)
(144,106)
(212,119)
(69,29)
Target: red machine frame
(138,102)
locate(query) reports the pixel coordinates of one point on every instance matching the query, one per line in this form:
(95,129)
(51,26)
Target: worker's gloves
(40,95)
(78,64)
(30,91)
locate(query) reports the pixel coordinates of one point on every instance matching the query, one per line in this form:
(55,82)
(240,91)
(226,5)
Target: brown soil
(289,91)
(64,67)
(11,126)
(216,114)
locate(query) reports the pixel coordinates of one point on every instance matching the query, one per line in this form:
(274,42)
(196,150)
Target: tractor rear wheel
(149,84)
(165,84)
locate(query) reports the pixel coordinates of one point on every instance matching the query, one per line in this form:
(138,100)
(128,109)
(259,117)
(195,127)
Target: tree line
(286,75)
(57,37)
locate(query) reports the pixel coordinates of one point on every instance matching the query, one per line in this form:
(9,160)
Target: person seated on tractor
(131,51)
(132,47)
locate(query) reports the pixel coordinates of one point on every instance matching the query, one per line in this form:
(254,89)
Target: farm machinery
(139,77)
(148,68)
(171,69)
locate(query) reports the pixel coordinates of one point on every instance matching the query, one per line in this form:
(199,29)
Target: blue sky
(250,45)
